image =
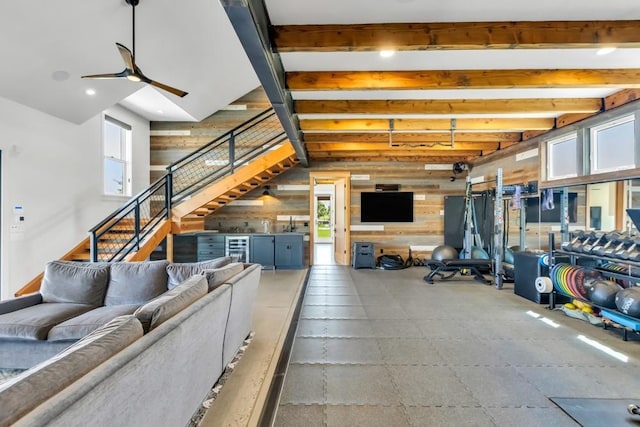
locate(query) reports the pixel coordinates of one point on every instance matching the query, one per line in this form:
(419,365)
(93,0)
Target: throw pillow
(181,271)
(218,276)
(75,282)
(157,311)
(136,282)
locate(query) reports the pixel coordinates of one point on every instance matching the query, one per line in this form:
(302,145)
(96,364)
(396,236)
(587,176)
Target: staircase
(195,186)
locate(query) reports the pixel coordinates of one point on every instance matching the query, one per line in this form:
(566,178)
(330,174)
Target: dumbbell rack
(628,322)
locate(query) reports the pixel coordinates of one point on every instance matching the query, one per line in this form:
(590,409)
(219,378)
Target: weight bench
(448,268)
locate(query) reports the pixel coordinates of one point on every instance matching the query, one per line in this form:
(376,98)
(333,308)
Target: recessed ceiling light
(90,92)
(60,75)
(387,53)
(605,50)
(160,112)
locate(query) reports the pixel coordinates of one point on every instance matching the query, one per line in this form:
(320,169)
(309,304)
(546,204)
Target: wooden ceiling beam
(407,152)
(449,106)
(411,137)
(462,79)
(400,144)
(518,124)
(456,35)
(391,157)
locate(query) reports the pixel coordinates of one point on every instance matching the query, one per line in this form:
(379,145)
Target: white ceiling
(189,45)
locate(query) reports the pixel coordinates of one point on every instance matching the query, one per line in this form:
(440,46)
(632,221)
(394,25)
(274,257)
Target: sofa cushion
(136,282)
(81,326)
(34,323)
(153,313)
(218,276)
(181,271)
(75,282)
(34,386)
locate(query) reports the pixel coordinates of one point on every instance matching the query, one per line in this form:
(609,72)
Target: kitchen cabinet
(289,251)
(263,250)
(210,246)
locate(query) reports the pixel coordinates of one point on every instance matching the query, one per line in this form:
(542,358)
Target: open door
(341,183)
(340,227)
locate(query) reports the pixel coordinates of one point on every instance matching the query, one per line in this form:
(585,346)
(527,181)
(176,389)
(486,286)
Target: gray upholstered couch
(150,368)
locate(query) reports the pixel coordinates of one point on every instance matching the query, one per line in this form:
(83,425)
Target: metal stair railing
(122,232)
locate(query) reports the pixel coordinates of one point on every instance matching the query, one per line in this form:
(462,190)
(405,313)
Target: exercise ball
(479,253)
(442,252)
(628,301)
(508,255)
(603,293)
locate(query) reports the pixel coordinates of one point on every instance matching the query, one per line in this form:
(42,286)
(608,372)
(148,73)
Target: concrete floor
(382,348)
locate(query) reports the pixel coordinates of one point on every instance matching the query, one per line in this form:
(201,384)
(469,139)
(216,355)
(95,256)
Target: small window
(613,146)
(562,157)
(117,155)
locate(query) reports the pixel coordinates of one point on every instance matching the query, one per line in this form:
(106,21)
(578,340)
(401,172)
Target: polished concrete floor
(382,348)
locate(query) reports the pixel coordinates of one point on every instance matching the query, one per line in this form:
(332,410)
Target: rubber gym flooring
(383,348)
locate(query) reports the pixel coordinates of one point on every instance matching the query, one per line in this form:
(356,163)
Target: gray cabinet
(263,250)
(210,246)
(184,248)
(288,251)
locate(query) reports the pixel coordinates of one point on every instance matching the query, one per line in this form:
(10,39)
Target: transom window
(613,146)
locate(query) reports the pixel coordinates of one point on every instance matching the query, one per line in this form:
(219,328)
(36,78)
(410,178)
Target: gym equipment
(592,242)
(362,255)
(580,237)
(633,409)
(571,280)
(508,255)
(628,301)
(543,285)
(454,266)
(608,244)
(444,252)
(603,293)
(479,253)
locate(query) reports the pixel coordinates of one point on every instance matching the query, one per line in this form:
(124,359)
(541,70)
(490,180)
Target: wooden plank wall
(166,149)
(426,230)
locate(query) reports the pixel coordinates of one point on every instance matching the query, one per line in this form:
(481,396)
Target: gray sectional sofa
(152,363)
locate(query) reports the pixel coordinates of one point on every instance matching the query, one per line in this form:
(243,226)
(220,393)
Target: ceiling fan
(132,71)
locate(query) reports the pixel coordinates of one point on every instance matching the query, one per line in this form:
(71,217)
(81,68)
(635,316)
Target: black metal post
(137,224)
(168,193)
(232,151)
(93,241)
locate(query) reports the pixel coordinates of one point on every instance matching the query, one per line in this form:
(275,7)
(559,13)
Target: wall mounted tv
(386,206)
(534,214)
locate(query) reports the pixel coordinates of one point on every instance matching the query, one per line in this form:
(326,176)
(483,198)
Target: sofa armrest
(19,303)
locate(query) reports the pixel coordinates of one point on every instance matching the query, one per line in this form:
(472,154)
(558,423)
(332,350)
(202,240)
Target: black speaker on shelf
(387,187)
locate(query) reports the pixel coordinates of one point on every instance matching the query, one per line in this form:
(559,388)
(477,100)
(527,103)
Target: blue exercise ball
(479,253)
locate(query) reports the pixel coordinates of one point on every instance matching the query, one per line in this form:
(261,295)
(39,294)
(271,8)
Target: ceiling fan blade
(170,89)
(121,74)
(127,56)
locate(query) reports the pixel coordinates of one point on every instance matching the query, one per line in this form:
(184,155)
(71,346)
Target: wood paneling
(456,35)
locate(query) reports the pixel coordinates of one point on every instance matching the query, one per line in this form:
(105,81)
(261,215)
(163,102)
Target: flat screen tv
(386,206)
(534,214)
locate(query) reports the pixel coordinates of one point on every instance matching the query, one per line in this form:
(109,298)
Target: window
(117,157)
(563,154)
(613,146)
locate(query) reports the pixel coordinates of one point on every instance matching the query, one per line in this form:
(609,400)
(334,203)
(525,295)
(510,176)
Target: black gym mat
(599,412)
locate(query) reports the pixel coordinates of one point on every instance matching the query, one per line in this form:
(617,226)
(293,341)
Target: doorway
(324,220)
(331,207)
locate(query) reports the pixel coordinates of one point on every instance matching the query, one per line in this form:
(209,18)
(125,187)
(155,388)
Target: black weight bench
(448,268)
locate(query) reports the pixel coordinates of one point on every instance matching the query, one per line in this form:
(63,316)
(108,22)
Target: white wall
(53,169)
